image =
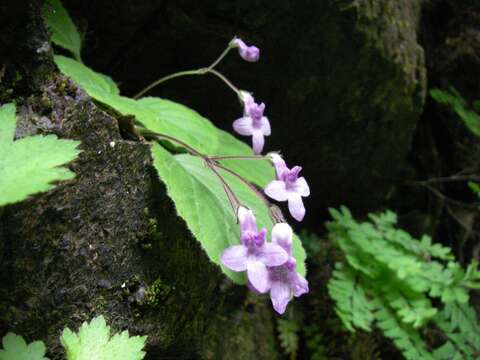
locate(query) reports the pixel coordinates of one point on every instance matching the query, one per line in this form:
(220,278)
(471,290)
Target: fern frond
(406,338)
(458,322)
(352,304)
(288,335)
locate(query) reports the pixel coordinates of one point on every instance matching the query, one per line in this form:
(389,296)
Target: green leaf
(64,32)
(170,118)
(259,172)
(30,165)
(97,85)
(455,101)
(201,201)
(175,118)
(15,348)
(475,187)
(93,342)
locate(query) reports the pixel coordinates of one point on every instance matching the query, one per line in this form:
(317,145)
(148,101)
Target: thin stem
(251,186)
(175,140)
(230,193)
(239,157)
(449,179)
(232,198)
(201,71)
(225,80)
(220,58)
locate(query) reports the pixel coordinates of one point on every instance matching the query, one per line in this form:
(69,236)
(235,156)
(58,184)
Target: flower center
(256,113)
(278,273)
(291,176)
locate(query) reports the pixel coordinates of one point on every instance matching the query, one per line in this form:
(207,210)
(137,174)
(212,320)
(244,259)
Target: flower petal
(281,294)
(235,258)
(295,205)
(243,126)
(257,141)
(301,187)
(282,235)
(258,275)
(277,190)
(299,285)
(272,254)
(279,164)
(265,126)
(246,219)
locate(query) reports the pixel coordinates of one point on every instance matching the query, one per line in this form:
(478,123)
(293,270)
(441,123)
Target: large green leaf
(201,201)
(196,131)
(259,172)
(30,165)
(64,32)
(170,118)
(208,139)
(93,342)
(95,84)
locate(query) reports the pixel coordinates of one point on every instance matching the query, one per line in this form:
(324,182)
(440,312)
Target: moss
(156,292)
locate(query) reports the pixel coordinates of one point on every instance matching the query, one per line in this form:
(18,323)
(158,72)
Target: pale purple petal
(243,126)
(235,258)
(258,275)
(279,164)
(257,141)
(277,190)
(301,187)
(272,254)
(248,53)
(299,284)
(246,98)
(246,219)
(251,53)
(281,294)
(265,126)
(295,205)
(282,235)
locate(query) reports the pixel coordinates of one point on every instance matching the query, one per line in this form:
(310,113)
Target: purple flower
(285,281)
(248,53)
(253,123)
(288,187)
(254,254)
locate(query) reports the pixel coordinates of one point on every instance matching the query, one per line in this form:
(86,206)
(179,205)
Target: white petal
(258,275)
(257,141)
(265,126)
(277,190)
(243,126)
(246,219)
(235,258)
(295,205)
(301,187)
(282,235)
(272,255)
(281,294)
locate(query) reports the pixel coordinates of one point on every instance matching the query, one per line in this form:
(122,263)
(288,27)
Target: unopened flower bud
(247,53)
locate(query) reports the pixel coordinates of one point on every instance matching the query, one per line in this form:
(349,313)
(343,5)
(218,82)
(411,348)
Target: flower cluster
(270,266)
